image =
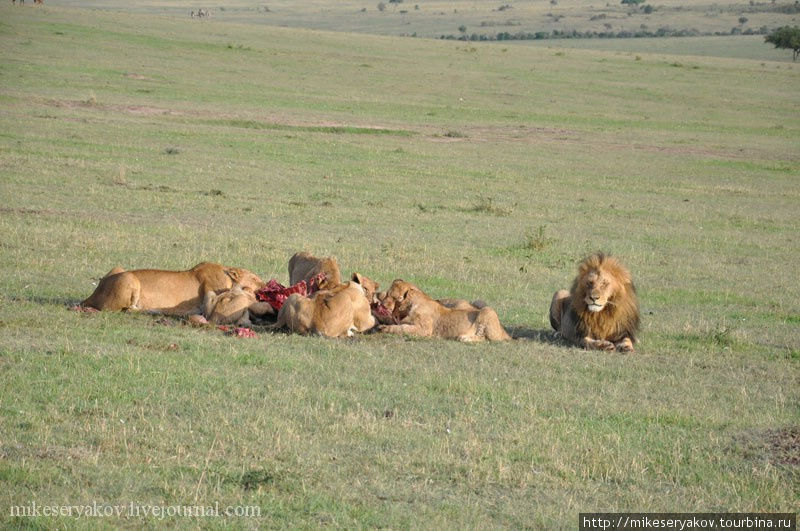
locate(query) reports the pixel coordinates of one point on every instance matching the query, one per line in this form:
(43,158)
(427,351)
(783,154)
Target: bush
(642,32)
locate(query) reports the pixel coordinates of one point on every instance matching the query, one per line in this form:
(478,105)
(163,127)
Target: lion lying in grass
(600,311)
(418,314)
(169,292)
(337,312)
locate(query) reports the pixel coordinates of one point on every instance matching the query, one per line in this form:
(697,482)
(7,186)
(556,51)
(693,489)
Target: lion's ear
(234,273)
(356,278)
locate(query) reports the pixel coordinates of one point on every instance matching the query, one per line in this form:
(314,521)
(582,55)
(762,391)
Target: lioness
(461,304)
(337,312)
(418,314)
(305,266)
(170,292)
(234,306)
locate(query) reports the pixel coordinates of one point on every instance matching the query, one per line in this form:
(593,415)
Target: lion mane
(619,318)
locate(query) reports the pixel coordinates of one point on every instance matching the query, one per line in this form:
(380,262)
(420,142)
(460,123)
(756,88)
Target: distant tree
(631,2)
(742,20)
(381,6)
(787,38)
(647,9)
(462,28)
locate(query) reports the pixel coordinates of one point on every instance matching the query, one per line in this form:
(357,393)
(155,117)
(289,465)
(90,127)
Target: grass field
(435,18)
(474,170)
(733,47)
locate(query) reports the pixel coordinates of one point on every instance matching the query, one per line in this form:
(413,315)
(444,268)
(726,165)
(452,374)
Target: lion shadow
(541,335)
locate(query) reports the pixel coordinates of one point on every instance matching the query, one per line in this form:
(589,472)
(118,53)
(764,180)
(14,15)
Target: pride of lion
(599,312)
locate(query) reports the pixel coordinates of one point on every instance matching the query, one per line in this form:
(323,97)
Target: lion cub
(418,314)
(234,306)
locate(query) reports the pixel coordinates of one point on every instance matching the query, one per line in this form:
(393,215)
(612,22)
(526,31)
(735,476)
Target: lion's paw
(625,346)
(602,344)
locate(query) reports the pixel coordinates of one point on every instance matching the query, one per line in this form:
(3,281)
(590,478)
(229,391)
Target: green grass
(435,18)
(735,47)
(147,141)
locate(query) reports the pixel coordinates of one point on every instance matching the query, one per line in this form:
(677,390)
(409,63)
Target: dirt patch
(783,445)
(780,446)
(507,134)
(140,77)
(143,110)
(272,121)
(139,110)
(445,139)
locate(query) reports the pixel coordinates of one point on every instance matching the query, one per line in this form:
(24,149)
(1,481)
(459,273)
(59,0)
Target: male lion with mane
(600,311)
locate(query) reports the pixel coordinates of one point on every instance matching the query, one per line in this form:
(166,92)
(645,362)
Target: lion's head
(370,286)
(399,299)
(604,299)
(245,279)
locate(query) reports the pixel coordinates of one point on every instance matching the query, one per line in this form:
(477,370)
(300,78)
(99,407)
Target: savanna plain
(475,170)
